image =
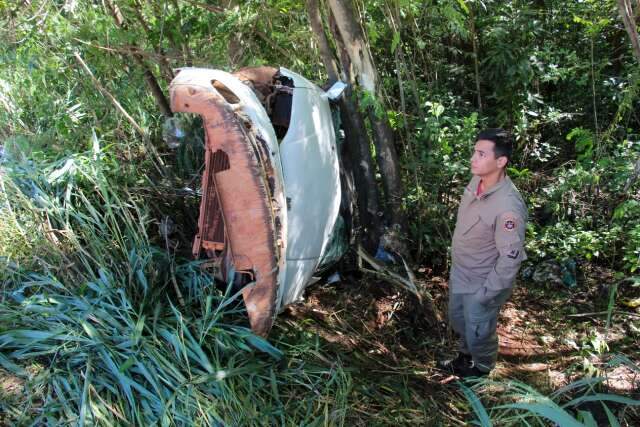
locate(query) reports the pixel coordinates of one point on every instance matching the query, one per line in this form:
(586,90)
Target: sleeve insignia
(509,221)
(513,254)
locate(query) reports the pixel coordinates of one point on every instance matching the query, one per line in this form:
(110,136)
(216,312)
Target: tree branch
(149,77)
(626,13)
(122,111)
(315,21)
(110,97)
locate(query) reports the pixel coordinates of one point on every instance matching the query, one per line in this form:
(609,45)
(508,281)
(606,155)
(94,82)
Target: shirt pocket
(475,225)
(478,232)
(468,225)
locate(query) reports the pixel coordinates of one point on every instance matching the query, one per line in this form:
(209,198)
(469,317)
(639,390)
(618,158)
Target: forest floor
(390,344)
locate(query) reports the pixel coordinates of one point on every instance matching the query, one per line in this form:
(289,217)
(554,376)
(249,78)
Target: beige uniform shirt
(488,241)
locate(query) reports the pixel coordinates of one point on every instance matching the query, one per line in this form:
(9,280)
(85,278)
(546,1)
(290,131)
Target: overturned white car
(271,189)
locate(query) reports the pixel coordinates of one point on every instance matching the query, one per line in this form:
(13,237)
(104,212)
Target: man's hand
(486,295)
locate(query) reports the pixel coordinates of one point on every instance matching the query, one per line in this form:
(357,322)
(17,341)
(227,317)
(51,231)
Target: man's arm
(509,238)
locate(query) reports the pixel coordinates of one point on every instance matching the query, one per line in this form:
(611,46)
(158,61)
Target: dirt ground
(392,341)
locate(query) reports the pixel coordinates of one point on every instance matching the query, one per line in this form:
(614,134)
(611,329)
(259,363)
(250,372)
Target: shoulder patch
(510,221)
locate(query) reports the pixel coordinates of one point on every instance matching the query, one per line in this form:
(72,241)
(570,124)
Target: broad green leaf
(551,412)
(477,406)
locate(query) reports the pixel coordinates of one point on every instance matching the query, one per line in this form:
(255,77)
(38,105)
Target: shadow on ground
(389,342)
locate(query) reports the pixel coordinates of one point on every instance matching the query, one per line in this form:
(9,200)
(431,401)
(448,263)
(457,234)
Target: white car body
(278,201)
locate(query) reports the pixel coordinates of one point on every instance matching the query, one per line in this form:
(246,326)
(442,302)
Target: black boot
(457,365)
(471,371)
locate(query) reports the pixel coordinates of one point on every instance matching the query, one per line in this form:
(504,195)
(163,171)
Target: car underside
(271,189)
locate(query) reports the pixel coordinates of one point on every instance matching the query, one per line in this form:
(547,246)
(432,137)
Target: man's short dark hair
(503,141)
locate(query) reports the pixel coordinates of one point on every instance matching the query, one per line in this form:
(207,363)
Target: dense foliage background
(97,210)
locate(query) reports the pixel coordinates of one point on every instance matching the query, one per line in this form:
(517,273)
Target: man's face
(484,161)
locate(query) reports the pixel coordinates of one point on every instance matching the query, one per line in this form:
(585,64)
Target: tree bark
(116,14)
(356,148)
(353,39)
(359,54)
(389,165)
(326,54)
(626,13)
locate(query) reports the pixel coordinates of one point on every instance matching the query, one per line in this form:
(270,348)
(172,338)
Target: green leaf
(477,406)
(463,6)
(12,367)
(85,393)
(575,385)
(587,418)
(395,41)
(613,421)
(602,397)
(264,346)
(127,364)
(549,411)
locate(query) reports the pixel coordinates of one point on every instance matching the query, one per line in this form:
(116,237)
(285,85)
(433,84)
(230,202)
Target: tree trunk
(354,44)
(389,165)
(326,54)
(626,13)
(359,54)
(356,149)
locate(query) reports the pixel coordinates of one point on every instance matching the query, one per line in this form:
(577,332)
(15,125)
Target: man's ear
(502,161)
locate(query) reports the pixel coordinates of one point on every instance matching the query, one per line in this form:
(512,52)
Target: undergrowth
(90,321)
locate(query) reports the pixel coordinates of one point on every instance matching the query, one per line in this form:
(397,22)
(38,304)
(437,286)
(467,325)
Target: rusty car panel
(241,187)
(270,189)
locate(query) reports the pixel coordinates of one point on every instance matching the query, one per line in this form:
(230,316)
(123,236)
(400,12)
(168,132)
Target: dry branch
(391,276)
(110,97)
(122,111)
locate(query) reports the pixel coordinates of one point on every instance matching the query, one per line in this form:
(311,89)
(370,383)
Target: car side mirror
(335,91)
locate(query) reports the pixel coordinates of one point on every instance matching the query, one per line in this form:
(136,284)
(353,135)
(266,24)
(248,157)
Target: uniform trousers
(474,317)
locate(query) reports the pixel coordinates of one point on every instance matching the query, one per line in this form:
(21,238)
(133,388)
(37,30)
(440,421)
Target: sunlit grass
(520,404)
(113,345)
(90,326)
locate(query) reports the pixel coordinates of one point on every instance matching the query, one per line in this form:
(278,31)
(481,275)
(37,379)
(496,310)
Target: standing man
(487,250)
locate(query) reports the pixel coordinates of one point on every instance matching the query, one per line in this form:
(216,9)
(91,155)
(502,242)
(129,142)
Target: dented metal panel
(267,209)
(248,186)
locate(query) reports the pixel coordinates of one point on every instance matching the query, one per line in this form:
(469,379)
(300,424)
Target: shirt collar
(473,187)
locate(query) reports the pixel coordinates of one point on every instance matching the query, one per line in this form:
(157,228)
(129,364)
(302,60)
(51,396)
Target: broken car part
(271,184)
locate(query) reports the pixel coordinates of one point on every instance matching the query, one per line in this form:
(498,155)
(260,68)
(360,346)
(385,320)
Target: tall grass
(88,320)
(578,404)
